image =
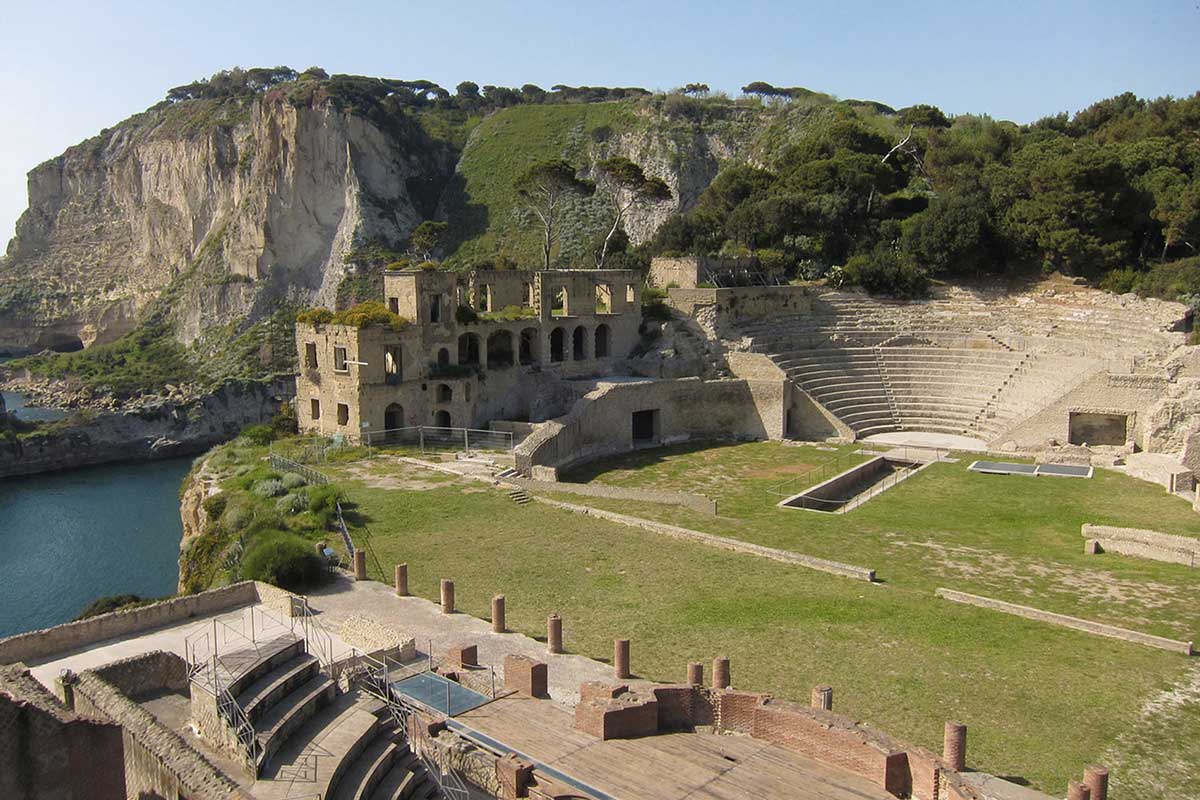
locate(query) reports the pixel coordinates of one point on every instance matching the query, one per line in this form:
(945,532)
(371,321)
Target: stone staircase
(311,738)
(520,497)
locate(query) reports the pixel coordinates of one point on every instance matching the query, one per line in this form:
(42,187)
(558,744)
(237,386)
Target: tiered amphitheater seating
(958,364)
(346,745)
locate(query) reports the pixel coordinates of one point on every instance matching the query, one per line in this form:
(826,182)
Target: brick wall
(676,707)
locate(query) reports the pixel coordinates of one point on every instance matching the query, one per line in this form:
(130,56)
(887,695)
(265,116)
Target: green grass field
(1041,701)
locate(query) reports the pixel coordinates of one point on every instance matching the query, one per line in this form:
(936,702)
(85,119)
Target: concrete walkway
(436,632)
(944,441)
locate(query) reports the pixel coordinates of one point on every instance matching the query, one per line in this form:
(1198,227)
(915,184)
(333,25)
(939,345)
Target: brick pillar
(402,580)
(1077,791)
(621,659)
(695,673)
(554,634)
(498,614)
(447,596)
(954,746)
(514,775)
(1096,779)
(360,564)
(720,673)
(822,698)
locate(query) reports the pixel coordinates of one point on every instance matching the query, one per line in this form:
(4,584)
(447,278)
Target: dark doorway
(442,419)
(645,426)
(393,418)
(558,344)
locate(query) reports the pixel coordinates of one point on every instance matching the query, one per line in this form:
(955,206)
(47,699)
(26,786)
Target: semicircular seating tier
(958,365)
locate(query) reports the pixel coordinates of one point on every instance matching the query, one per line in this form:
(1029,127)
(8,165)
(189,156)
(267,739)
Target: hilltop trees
(427,238)
(625,185)
(544,189)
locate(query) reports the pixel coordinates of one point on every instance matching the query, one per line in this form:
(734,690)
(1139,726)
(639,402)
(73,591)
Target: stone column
(954,746)
(447,596)
(720,673)
(1077,791)
(554,642)
(498,614)
(1096,779)
(822,698)
(360,564)
(621,658)
(695,673)
(402,580)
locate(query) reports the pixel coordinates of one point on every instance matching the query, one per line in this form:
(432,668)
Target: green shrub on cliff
(363,315)
(283,559)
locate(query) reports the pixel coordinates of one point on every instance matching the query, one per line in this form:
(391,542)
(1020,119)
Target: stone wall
(1105,393)
(599,424)
(1087,626)
(158,762)
(40,644)
(1145,544)
(719,311)
(48,752)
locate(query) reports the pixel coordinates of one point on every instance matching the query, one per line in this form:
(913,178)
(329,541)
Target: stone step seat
(359,780)
(259,696)
(407,780)
(950,408)
(830,365)
(319,752)
(917,420)
(237,669)
(904,363)
(918,388)
(815,358)
(274,727)
(826,376)
(847,405)
(847,381)
(946,378)
(869,428)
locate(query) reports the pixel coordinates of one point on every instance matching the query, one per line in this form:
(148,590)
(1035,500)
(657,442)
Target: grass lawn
(1041,702)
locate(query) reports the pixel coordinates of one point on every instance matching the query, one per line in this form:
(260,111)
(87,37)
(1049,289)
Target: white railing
(429,437)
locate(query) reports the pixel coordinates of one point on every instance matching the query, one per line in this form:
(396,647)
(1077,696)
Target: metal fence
(434,438)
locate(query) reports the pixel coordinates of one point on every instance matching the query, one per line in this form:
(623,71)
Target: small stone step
(273,728)
(259,696)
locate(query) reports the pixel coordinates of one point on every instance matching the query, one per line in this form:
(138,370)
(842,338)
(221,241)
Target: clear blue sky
(68,69)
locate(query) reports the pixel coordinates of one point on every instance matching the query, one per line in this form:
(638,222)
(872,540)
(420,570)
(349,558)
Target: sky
(70,68)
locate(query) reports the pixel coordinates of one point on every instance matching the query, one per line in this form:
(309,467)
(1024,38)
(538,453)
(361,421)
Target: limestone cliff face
(259,206)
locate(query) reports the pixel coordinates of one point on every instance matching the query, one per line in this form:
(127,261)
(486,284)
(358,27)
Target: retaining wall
(37,645)
(1087,626)
(694,502)
(719,311)
(1145,544)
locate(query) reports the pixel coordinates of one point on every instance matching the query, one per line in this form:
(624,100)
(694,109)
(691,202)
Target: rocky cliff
(230,204)
(148,430)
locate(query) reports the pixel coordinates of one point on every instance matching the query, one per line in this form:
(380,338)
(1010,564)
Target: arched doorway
(529,346)
(602,341)
(441,419)
(393,420)
(500,350)
(558,344)
(468,349)
(579,343)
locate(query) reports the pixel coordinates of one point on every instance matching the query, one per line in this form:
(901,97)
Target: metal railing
(841,505)
(818,474)
(428,437)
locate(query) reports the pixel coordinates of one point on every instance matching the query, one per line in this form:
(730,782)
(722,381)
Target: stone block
(525,676)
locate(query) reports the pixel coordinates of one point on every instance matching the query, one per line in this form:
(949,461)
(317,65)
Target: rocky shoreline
(150,427)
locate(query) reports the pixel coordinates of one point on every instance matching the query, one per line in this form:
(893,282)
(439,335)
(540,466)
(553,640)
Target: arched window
(561,306)
(444,393)
(630,293)
(602,341)
(500,350)
(558,344)
(579,343)
(441,419)
(393,364)
(530,345)
(468,349)
(443,358)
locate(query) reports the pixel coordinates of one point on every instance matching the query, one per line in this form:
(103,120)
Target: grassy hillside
(480,203)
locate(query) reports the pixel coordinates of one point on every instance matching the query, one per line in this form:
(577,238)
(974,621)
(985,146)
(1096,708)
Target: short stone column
(954,746)
(621,658)
(822,698)
(447,596)
(720,673)
(402,580)
(554,642)
(498,614)
(1096,779)
(1077,791)
(360,564)
(695,673)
